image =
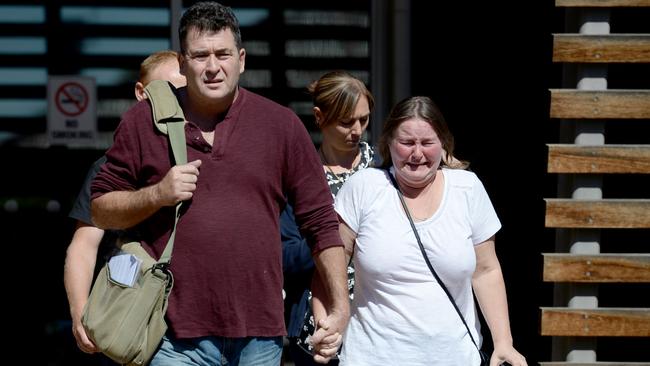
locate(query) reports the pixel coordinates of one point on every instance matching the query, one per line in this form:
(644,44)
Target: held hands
(330,303)
(178,184)
(326,340)
(328,336)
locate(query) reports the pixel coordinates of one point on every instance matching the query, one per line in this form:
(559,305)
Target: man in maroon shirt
(246,155)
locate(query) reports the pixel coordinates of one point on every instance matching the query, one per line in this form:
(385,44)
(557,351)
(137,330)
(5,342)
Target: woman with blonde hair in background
(342,106)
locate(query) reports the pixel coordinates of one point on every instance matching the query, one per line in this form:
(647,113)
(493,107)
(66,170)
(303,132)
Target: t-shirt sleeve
(484,219)
(348,201)
(81,208)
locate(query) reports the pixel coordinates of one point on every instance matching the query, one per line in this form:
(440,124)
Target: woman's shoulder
(461,177)
(369,173)
(365,185)
(367,178)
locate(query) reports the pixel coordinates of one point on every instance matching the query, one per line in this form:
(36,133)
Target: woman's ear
(319,116)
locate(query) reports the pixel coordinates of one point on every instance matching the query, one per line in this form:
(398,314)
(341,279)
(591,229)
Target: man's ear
(242,60)
(181,64)
(139,91)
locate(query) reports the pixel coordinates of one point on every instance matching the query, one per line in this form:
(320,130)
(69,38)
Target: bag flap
(164,105)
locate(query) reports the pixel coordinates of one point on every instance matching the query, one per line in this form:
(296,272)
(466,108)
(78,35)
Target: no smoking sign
(72,99)
(71,116)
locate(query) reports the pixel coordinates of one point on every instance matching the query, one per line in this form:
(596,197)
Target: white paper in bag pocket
(124,268)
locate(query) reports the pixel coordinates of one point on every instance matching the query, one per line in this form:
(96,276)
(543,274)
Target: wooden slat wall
(617,104)
(601,322)
(568,158)
(629,48)
(607,213)
(630,268)
(584,161)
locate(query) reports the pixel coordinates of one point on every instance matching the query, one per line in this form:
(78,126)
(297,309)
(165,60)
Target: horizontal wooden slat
(606,213)
(601,3)
(560,267)
(569,158)
(618,104)
(567,363)
(609,48)
(601,322)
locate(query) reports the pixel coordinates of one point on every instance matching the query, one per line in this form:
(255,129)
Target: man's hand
(330,302)
(326,340)
(178,184)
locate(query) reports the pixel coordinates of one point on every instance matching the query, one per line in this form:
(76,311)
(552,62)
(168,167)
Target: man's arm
(78,276)
(125,209)
(326,345)
(330,298)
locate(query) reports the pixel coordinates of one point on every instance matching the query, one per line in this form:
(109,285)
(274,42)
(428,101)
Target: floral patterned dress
(335,182)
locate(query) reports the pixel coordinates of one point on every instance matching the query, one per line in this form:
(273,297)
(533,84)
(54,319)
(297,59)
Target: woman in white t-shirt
(400,314)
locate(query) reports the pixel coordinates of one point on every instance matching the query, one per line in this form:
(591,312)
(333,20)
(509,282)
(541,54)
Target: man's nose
(212,63)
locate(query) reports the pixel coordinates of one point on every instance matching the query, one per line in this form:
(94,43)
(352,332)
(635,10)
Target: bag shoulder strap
(169,119)
(168,116)
(426,258)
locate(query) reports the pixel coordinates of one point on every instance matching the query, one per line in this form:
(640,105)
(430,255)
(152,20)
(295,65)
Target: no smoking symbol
(71,99)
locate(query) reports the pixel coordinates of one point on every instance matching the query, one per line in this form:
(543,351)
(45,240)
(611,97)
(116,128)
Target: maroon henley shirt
(227,262)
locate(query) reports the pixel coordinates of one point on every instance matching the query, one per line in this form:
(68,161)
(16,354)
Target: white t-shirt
(400,314)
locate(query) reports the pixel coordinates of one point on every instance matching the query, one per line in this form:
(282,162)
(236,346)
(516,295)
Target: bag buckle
(162,267)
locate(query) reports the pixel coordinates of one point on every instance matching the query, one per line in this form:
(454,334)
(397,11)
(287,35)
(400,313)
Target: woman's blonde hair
(336,94)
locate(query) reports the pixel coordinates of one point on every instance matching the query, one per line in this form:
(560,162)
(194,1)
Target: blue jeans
(217,351)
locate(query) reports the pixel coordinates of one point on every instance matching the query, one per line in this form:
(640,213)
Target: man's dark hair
(208,16)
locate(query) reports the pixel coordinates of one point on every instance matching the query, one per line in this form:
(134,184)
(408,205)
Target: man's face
(212,64)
